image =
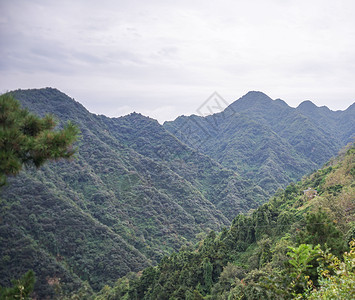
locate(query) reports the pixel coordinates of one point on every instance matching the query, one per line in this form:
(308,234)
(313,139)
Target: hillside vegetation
(270,253)
(267,141)
(117,207)
(137,191)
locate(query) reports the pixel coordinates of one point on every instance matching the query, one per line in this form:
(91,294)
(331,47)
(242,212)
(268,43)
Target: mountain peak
(51,100)
(256,94)
(307,105)
(138,116)
(281,102)
(250,100)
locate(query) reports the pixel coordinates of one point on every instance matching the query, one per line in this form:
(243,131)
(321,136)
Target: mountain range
(266,140)
(138,190)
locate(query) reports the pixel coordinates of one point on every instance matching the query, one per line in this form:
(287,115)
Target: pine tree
(21,288)
(26,139)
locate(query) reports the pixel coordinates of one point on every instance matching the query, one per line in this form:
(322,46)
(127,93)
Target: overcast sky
(164,58)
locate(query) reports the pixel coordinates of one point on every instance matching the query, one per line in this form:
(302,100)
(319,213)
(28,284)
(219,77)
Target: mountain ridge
(229,135)
(139,190)
(132,208)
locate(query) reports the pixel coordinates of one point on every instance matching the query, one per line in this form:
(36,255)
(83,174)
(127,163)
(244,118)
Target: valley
(138,191)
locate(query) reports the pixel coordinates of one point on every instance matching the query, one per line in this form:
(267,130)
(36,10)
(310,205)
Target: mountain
(267,141)
(138,191)
(133,194)
(340,124)
(271,253)
(228,191)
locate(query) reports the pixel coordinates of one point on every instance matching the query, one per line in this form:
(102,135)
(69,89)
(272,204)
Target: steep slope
(136,192)
(250,260)
(266,140)
(45,230)
(120,205)
(339,124)
(307,138)
(222,187)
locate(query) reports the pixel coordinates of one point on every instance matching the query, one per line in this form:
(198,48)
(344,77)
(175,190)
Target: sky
(164,58)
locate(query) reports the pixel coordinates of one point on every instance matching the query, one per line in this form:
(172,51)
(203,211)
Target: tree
(337,277)
(292,282)
(21,288)
(321,230)
(26,139)
(207,274)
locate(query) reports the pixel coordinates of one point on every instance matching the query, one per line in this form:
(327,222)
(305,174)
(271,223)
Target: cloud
(163,57)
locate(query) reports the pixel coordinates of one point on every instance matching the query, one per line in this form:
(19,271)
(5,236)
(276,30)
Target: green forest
(263,209)
(296,246)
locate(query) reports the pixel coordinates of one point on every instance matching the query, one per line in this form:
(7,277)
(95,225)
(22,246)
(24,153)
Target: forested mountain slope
(271,253)
(136,192)
(129,198)
(228,191)
(267,141)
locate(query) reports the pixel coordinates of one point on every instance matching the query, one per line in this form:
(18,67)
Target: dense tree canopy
(30,140)
(135,193)
(21,288)
(287,248)
(26,139)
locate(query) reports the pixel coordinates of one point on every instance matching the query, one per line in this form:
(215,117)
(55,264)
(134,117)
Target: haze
(165,58)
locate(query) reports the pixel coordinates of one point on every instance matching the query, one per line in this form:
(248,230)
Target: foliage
(136,193)
(261,256)
(337,278)
(300,257)
(28,139)
(321,230)
(267,142)
(117,208)
(21,288)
